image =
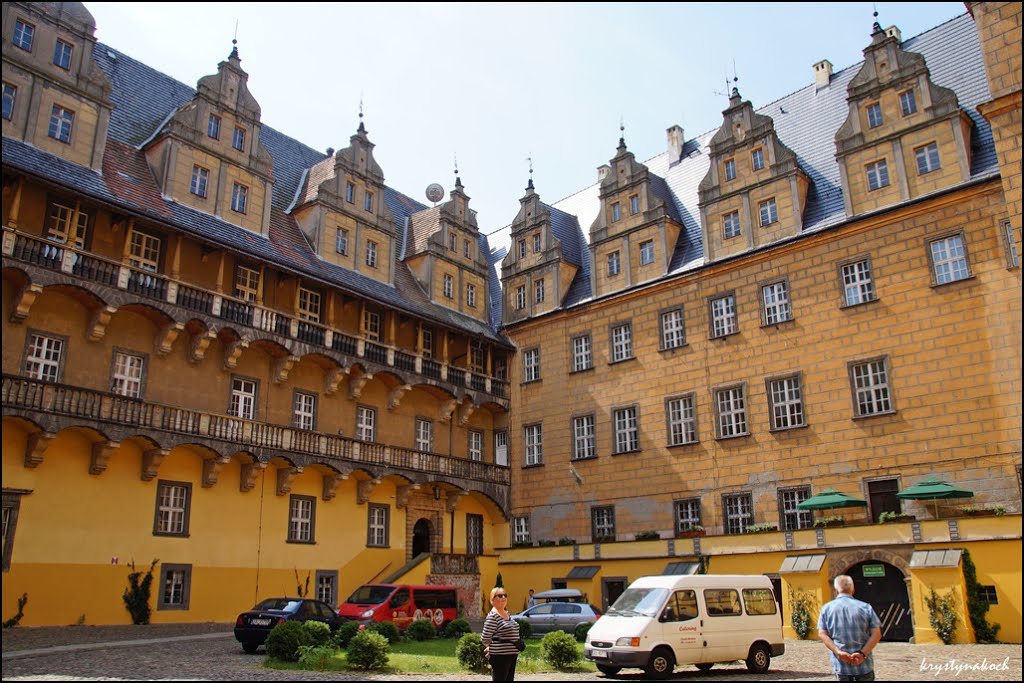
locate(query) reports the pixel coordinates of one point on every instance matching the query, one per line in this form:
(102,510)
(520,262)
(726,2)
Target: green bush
(344,634)
(421,629)
(318,632)
(314,658)
(368,650)
(136,595)
(559,650)
(285,640)
(580,632)
(457,628)
(977,606)
(800,605)
(942,614)
(525,630)
(470,652)
(386,629)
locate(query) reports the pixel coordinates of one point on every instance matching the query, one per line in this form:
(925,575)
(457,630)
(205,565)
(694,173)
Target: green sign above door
(873,570)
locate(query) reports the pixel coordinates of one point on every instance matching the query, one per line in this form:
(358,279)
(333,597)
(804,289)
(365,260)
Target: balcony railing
(22,393)
(61,257)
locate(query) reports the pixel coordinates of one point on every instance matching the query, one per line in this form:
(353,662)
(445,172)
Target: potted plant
(981,511)
(649,535)
(567,540)
(760,528)
(831,520)
(891,517)
(543,543)
(691,531)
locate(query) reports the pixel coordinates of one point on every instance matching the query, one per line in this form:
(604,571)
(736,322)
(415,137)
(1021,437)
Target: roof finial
(362,129)
(234,43)
(458,180)
(876,28)
(735,79)
(529,160)
(622,130)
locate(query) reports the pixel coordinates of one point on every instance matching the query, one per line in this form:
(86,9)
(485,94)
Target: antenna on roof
(730,90)
(529,160)
(234,43)
(361,127)
(622,131)
(876,27)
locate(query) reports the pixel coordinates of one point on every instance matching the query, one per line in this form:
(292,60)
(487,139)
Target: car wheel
(608,670)
(250,648)
(760,658)
(704,666)
(661,664)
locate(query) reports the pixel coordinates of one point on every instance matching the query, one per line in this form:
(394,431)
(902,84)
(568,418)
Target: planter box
(901,518)
(977,513)
(825,525)
(692,533)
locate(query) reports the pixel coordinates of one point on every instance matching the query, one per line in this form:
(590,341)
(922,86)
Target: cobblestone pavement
(210,652)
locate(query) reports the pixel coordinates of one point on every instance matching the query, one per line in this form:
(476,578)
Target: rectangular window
(531,365)
(62,54)
(176,580)
(927,158)
(614,264)
(738,509)
(465,248)
(477,358)
(785,402)
(634,204)
(757,159)
(501,447)
(200,180)
(238,139)
(538,291)
(61,122)
(687,514)
(10,97)
(243,398)
(59,225)
(536,243)
(144,251)
(681,415)
(520,530)
(367,201)
(126,375)
(309,305)
(471,296)
(647,252)
(239,198)
(366,424)
(327,586)
(341,242)
(520,297)
(673,330)
(378,525)
(301,519)
(582,355)
(451,241)
(768,211)
(583,434)
(247,284)
(949,259)
(11,508)
(474,534)
(1010,240)
(627,430)
(350,193)
(730,169)
(173,503)
(427,349)
(616,211)
(988,595)
(878,175)
(213,127)
(522,249)
(43,358)
(424,435)
(371,325)
(775,303)
(874,113)
(371,254)
(476,445)
(731,225)
(23,35)
(304,410)
(791,517)
(731,409)
(858,284)
(723,316)
(449,286)
(908,103)
(602,523)
(622,342)
(870,383)
(533,437)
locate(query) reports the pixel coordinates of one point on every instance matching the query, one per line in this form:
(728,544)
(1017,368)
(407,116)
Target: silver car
(558,616)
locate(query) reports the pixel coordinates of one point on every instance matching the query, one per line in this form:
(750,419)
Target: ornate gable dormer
(443,252)
(754,191)
(904,136)
(536,274)
(208,154)
(635,232)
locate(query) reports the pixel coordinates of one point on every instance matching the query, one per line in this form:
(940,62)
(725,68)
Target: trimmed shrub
(421,629)
(457,628)
(470,652)
(284,641)
(559,650)
(318,632)
(368,650)
(386,629)
(344,634)
(525,630)
(580,632)
(313,658)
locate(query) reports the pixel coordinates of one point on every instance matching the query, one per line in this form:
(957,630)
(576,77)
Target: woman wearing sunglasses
(501,635)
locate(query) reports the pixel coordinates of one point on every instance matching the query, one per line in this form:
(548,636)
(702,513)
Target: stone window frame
(522,248)
(614,263)
(662,339)
(11,510)
(634,204)
(587,356)
(238,139)
(739,497)
(873,114)
(872,296)
(296,414)
(341,241)
(804,518)
(616,212)
(757,161)
(122,350)
(878,174)
(63,53)
(677,520)
(291,537)
(851,367)
(690,396)
(448,286)
(10,100)
(62,124)
(765,321)
(729,168)
(531,364)
(534,430)
(200,182)
(772,208)
(908,102)
(603,525)
(239,198)
(731,225)
(647,252)
(371,254)
(728,330)
(589,439)
(61,363)
(538,291)
(213,126)
(165,571)
(520,297)
(621,352)
(536,243)
(769,383)
(19,37)
(383,526)
(471,295)
(186,509)
(744,413)
(931,241)
(929,153)
(367,201)
(620,433)
(350,192)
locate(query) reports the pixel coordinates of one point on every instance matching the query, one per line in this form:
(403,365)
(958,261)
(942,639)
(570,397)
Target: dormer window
(200,180)
(878,175)
(757,159)
(634,205)
(213,127)
(538,291)
(908,103)
(731,224)
(61,122)
(341,242)
(239,198)
(522,248)
(451,241)
(350,193)
(647,253)
(368,201)
(465,248)
(927,158)
(536,243)
(371,253)
(238,141)
(730,169)
(471,296)
(874,112)
(23,35)
(449,286)
(10,95)
(62,54)
(769,212)
(520,297)
(614,264)
(616,212)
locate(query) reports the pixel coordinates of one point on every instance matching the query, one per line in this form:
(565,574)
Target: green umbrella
(830,499)
(934,489)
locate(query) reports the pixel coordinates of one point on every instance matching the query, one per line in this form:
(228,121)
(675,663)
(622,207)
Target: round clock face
(435,192)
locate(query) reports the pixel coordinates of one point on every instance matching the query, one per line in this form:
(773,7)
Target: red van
(402,604)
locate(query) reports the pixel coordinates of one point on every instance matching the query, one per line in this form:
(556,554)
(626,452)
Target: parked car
(558,616)
(253,627)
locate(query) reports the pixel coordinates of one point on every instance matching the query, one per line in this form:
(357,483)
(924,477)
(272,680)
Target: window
(634,204)
(531,365)
(144,251)
(673,331)
(768,211)
(730,169)
(367,201)
(243,398)
(602,523)
(309,305)
(757,159)
(775,303)
(616,211)
(424,435)
(786,402)
(520,297)
(927,158)
(465,248)
(584,444)
(62,54)
(474,534)
(874,112)
(176,580)
(427,349)
(1012,257)
(949,259)
(622,342)
(687,514)
(791,517)
(520,530)
(23,34)
(371,254)
(377,526)
(173,503)
(538,291)
(870,382)
(304,410)
(614,265)
(239,197)
(627,430)
(739,512)
(988,595)
(10,97)
(647,252)
(200,180)
(451,241)
(327,586)
(301,518)
(471,296)
(238,139)
(341,242)
(11,508)
(681,415)
(501,447)
(44,357)
(533,437)
(878,175)
(61,121)
(731,222)
(582,355)
(723,316)
(731,411)
(366,424)
(522,248)
(350,193)
(858,285)
(476,445)
(59,222)
(759,601)
(477,358)
(882,497)
(536,243)
(247,283)
(213,127)
(449,286)
(908,103)
(127,374)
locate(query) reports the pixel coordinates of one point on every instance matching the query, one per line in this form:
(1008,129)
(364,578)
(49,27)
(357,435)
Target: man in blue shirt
(850,630)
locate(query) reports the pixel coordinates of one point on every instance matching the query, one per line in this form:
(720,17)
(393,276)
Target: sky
(493,85)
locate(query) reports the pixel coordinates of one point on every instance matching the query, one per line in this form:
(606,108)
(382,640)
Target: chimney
(894,32)
(675,143)
(603,171)
(822,74)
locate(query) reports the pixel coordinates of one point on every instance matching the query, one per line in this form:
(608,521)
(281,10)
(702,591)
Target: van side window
(759,600)
(722,602)
(400,598)
(682,606)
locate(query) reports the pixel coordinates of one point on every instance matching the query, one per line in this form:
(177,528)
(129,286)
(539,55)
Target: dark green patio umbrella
(934,489)
(830,499)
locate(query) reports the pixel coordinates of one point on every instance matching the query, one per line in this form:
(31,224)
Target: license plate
(598,654)
(260,622)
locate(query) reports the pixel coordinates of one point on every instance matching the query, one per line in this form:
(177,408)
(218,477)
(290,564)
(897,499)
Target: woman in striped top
(500,634)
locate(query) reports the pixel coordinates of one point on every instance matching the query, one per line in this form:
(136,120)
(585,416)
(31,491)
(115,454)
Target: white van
(662,622)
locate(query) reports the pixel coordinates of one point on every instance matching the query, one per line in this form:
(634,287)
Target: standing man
(850,630)
(530,601)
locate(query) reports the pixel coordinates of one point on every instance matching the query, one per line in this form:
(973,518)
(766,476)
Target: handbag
(520,644)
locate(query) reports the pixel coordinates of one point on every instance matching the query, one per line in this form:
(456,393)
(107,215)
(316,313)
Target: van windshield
(371,595)
(639,602)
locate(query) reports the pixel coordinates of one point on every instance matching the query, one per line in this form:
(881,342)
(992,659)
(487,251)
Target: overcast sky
(494,84)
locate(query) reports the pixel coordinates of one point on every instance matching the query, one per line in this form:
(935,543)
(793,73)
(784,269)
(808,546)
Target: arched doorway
(884,587)
(421,537)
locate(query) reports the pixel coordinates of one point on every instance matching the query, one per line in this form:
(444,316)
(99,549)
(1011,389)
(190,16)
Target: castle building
(264,370)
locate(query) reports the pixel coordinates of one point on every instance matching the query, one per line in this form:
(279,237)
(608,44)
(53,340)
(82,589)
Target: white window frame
(729,169)
(1010,242)
(239,198)
(786,402)
(44,357)
(213,127)
(304,410)
(634,204)
(350,193)
(673,329)
(476,445)
(23,35)
(622,342)
(448,285)
(858,282)
(582,353)
(247,283)
(948,256)
(536,243)
(127,374)
(768,212)
(341,241)
(371,254)
(757,159)
(471,295)
(687,513)
(878,174)
(200,181)
(775,306)
(522,249)
(723,316)
(62,123)
(501,447)
(626,424)
(647,252)
(520,297)
(908,102)
(731,411)
(614,264)
(533,440)
(520,530)
(378,525)
(869,381)
(367,201)
(531,365)
(424,440)
(175,586)
(681,416)
(737,512)
(584,437)
(301,518)
(310,303)
(873,112)
(243,398)
(172,508)
(238,139)
(616,212)
(538,291)
(927,157)
(602,520)
(366,424)
(62,54)
(731,226)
